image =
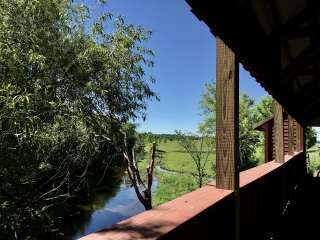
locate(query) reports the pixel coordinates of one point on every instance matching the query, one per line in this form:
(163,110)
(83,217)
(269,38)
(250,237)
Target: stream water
(108,206)
(106,209)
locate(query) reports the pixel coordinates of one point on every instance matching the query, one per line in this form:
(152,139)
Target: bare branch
(143,192)
(196,151)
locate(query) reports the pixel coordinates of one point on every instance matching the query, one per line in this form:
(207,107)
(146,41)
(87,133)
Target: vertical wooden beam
(227,126)
(304,149)
(299,142)
(278,131)
(268,142)
(302,139)
(290,135)
(227,118)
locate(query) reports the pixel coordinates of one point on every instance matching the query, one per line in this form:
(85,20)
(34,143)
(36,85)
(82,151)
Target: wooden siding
(285,136)
(269,134)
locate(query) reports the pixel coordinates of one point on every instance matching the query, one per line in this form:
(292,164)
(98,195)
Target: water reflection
(106,208)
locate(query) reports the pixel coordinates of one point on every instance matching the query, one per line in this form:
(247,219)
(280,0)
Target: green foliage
(199,149)
(172,186)
(248,137)
(208,107)
(150,138)
(66,88)
(180,166)
(313,155)
(263,109)
(311,137)
(176,159)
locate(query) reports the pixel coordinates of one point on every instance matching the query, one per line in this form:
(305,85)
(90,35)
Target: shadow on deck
(300,221)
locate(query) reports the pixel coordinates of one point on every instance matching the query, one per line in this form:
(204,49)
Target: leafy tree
(208,107)
(263,109)
(248,137)
(311,137)
(66,87)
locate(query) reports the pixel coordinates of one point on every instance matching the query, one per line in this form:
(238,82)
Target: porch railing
(266,193)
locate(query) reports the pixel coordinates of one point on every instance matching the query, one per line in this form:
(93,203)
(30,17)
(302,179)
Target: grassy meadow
(176,159)
(180,180)
(180,166)
(314,160)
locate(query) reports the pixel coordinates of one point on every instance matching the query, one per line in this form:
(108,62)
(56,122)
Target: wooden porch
(267,194)
(265,202)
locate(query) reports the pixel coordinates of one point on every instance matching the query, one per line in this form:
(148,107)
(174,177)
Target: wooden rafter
(291,27)
(310,71)
(300,62)
(299,32)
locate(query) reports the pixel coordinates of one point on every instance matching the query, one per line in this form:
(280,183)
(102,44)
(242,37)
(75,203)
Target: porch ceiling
(278,42)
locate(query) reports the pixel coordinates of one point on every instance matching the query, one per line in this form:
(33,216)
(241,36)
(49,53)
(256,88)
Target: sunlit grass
(172,186)
(175,158)
(314,160)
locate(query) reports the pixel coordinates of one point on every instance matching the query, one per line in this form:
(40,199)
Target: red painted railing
(266,192)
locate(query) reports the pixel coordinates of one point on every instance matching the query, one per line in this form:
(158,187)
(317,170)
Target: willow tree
(66,87)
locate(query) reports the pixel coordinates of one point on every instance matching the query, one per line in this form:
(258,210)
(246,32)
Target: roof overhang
(278,42)
(260,126)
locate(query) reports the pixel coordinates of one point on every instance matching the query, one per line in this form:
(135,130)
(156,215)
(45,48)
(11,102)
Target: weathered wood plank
(302,139)
(299,136)
(278,130)
(268,143)
(291,146)
(227,119)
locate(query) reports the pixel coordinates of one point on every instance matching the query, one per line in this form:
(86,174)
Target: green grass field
(314,160)
(175,158)
(172,186)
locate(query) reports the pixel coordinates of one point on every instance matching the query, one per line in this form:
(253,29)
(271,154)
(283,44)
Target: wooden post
(299,141)
(290,135)
(278,131)
(227,126)
(227,118)
(268,143)
(302,139)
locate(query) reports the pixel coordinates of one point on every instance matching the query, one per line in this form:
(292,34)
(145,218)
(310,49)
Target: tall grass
(313,154)
(172,186)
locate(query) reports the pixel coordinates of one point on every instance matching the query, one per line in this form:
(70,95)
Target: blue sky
(184,61)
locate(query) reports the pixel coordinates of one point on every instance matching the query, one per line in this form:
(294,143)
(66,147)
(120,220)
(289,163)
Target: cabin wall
(271,150)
